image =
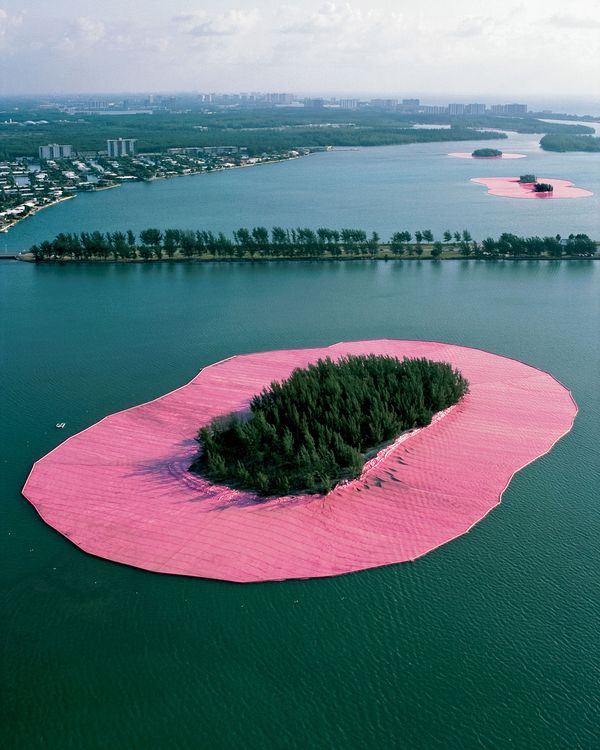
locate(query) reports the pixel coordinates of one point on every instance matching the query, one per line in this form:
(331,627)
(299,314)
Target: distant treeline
(300,242)
(258,130)
(560,142)
(312,430)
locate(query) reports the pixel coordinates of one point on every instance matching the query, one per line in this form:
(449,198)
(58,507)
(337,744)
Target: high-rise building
(509,109)
(515,109)
(475,109)
(55,151)
(411,102)
(456,109)
(116,147)
(280,99)
(384,103)
(349,103)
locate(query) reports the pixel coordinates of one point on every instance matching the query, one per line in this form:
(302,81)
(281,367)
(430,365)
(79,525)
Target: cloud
(229,23)
(8,21)
(328,19)
(474,26)
(573,22)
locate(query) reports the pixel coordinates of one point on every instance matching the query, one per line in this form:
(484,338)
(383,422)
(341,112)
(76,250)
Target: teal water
(383,189)
(488,642)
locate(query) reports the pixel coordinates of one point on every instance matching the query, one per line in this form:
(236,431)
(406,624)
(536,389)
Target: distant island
(486,153)
(538,187)
(315,429)
(298,243)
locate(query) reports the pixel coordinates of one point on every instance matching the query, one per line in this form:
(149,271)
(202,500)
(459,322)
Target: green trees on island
(301,243)
(486,153)
(543,187)
(316,428)
(527,178)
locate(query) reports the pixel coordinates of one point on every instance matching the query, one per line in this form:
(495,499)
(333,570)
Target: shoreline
(5,229)
(36,210)
(383,255)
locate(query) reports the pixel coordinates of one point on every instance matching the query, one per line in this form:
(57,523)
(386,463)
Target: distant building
(411,102)
(384,103)
(475,109)
(221,150)
(456,109)
(314,103)
(434,109)
(281,99)
(349,103)
(55,151)
(116,147)
(509,109)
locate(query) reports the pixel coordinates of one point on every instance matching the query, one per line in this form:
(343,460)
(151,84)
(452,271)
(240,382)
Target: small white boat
(60,425)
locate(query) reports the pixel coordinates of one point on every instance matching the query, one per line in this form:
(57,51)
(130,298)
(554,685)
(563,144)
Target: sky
(462,47)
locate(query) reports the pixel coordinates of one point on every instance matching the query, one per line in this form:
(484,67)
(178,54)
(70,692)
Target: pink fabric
(469,155)
(121,490)
(510,187)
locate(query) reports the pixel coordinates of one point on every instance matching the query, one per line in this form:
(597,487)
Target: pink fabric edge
(367,471)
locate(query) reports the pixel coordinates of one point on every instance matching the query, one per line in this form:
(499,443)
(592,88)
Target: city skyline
(355,47)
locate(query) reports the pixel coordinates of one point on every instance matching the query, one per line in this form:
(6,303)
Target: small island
(527,186)
(486,153)
(137,503)
(317,428)
(538,187)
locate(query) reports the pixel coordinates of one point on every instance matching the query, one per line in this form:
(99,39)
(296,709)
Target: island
(528,186)
(122,489)
(486,153)
(317,428)
(538,187)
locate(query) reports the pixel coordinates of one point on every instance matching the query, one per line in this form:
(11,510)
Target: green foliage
(561,142)
(543,187)
(298,243)
(313,430)
(486,152)
(527,178)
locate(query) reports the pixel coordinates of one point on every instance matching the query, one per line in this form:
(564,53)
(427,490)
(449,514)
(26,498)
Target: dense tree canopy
(565,142)
(315,429)
(486,152)
(280,242)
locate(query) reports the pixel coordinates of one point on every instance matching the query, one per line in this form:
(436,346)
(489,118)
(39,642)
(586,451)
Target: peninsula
(301,243)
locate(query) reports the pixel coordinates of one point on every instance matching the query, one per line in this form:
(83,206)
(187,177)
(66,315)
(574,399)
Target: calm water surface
(382,189)
(489,642)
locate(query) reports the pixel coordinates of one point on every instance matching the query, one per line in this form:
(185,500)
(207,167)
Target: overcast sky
(491,47)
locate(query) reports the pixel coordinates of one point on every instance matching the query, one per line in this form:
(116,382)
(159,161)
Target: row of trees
(300,242)
(314,429)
